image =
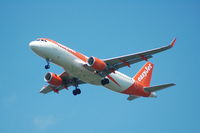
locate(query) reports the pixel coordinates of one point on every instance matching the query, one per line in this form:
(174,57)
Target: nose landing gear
(48,64)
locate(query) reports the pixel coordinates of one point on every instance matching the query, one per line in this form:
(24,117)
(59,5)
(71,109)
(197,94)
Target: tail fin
(144,75)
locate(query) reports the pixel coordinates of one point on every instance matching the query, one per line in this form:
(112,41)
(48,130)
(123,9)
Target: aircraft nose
(33,45)
(38,48)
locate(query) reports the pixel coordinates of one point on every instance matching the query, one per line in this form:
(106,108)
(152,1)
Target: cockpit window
(40,39)
(43,40)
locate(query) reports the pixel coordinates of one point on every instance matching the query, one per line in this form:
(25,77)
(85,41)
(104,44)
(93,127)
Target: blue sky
(103,29)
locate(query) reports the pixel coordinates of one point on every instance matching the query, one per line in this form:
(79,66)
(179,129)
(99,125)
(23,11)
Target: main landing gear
(47,66)
(77,91)
(105,81)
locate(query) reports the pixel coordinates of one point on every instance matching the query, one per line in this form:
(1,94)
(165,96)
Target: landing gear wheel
(47,66)
(105,81)
(76,92)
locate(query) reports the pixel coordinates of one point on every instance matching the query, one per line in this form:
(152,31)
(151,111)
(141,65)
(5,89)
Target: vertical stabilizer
(144,75)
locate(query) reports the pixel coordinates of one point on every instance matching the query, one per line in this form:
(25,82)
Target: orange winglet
(173,42)
(55,90)
(125,63)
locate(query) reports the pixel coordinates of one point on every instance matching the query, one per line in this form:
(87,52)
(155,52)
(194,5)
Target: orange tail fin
(144,75)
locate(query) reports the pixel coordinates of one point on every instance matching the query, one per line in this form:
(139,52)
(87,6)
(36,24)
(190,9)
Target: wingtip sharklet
(173,42)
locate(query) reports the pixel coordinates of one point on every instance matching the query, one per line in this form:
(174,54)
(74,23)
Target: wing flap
(131,61)
(46,89)
(49,88)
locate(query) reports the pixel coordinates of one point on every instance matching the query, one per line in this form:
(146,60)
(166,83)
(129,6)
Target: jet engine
(96,63)
(53,79)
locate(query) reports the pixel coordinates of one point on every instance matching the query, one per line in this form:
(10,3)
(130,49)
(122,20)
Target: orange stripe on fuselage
(113,80)
(77,54)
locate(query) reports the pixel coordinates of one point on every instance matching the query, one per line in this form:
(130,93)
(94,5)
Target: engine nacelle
(53,79)
(96,63)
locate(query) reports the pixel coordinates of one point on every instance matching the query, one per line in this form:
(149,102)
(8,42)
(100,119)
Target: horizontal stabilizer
(132,97)
(158,87)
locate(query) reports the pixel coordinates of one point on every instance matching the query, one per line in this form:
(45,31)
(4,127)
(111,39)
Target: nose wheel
(48,64)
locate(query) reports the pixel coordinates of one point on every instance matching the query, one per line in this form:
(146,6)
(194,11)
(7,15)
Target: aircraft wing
(127,60)
(67,82)
(49,88)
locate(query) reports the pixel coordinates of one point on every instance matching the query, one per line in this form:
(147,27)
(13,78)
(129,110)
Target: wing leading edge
(122,61)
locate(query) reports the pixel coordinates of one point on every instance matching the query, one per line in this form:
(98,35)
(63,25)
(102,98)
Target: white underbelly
(77,70)
(74,67)
(118,82)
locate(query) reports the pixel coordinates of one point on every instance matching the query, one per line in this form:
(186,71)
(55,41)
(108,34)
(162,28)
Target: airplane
(80,69)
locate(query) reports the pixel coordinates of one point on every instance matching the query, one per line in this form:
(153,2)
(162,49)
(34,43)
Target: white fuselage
(74,66)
